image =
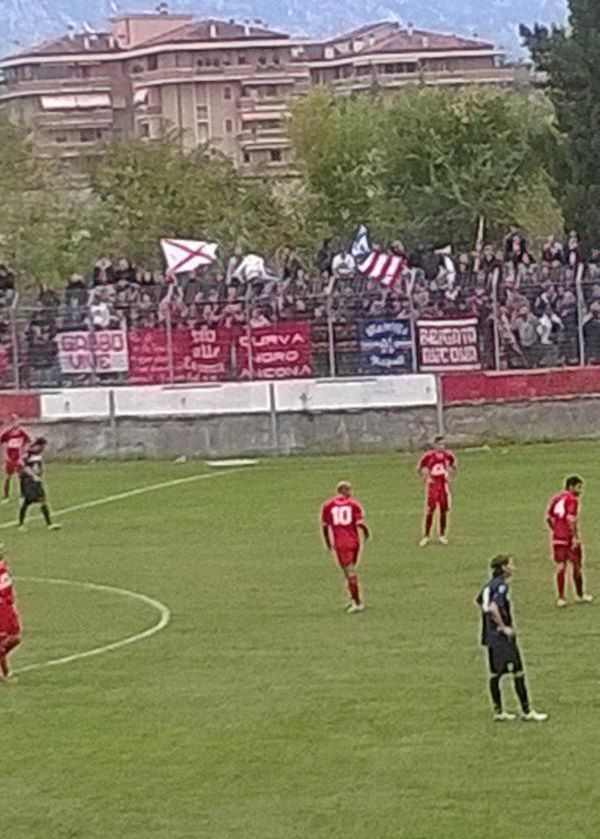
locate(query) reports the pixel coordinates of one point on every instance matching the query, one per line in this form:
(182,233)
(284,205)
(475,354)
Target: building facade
(214,82)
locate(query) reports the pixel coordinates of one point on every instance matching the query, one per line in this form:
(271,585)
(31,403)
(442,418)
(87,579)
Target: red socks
(428,523)
(353,588)
(578,580)
(560,582)
(443,522)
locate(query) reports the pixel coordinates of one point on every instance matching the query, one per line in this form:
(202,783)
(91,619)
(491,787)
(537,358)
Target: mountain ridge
(26,22)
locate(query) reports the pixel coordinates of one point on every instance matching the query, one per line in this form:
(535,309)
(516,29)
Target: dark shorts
(504,657)
(32,492)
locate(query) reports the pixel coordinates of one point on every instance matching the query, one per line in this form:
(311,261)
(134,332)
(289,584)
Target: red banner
(277,352)
(149,355)
(446,345)
(208,355)
(199,355)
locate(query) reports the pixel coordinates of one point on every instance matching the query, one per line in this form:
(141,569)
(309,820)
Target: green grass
(265,712)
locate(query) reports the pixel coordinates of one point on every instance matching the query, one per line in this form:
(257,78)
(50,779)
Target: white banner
(88,352)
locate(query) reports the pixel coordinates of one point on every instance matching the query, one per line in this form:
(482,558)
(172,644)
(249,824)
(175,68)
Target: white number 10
(341,515)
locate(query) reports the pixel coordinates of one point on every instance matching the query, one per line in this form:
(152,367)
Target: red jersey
(7,597)
(14,440)
(561,517)
(343,515)
(438,463)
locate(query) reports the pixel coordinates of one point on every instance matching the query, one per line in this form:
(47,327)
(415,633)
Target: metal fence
(348,327)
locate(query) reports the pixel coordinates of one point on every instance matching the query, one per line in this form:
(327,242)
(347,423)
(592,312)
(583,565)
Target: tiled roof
(68,44)
(213,30)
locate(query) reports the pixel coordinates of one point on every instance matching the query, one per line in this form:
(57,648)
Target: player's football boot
(356,607)
(534,716)
(55,526)
(424,542)
(585,598)
(443,540)
(22,528)
(504,716)
(5,501)
(561,603)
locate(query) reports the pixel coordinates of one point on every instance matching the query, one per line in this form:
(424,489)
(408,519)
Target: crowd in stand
(534,302)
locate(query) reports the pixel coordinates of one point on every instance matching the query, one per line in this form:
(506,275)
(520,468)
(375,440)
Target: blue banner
(385,346)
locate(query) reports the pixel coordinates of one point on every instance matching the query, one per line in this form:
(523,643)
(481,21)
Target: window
(271,90)
(200,62)
(201,112)
(246,156)
(89,135)
(275,155)
(241,59)
(226,93)
(136,68)
(144,130)
(61,138)
(228,126)
(202,132)
(152,62)
(262,60)
(245,94)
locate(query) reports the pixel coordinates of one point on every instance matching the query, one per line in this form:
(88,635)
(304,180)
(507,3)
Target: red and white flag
(386,268)
(184,255)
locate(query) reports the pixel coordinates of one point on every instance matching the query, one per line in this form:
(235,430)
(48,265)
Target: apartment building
(220,82)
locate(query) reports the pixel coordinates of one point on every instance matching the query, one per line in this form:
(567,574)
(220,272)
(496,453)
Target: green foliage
(430,162)
(569,61)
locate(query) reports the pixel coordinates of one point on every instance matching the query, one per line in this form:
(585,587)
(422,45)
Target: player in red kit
(342,522)
(562,519)
(14,440)
(10,626)
(437,468)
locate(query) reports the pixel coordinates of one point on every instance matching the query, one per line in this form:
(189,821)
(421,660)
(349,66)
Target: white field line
(110,499)
(165,616)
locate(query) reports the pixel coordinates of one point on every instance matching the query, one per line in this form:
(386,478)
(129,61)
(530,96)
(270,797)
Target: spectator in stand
(289,264)
(552,253)
(102,313)
(324,258)
(7,285)
(573,255)
(124,272)
(525,327)
(549,326)
(233,265)
(591,335)
(258,318)
(147,284)
(103,273)
(568,313)
(48,299)
(76,289)
(41,348)
(515,248)
(75,317)
(343,265)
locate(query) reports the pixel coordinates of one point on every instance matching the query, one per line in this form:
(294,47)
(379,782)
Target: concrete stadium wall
(317,416)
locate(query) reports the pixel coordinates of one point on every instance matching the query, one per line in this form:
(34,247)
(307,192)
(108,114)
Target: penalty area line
(162,623)
(131,493)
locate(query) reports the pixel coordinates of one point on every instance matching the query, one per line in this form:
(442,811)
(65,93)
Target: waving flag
(386,268)
(184,255)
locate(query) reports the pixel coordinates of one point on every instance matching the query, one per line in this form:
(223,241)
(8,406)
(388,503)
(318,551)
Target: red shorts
(10,626)
(347,557)
(567,553)
(438,496)
(12,467)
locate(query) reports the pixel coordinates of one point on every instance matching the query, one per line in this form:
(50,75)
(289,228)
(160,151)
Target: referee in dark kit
(498,635)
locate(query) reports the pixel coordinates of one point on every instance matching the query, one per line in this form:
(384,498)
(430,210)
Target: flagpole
(413,319)
(249,332)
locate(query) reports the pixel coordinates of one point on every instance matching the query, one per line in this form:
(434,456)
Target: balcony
(285,74)
(39,87)
(98,118)
(458,76)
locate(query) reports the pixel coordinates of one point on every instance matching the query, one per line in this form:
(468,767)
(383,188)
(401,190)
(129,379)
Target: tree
(147,191)
(429,162)
(568,60)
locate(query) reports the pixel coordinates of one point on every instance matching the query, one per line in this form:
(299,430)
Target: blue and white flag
(361,247)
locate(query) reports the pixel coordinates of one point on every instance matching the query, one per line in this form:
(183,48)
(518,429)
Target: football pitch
(262,710)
